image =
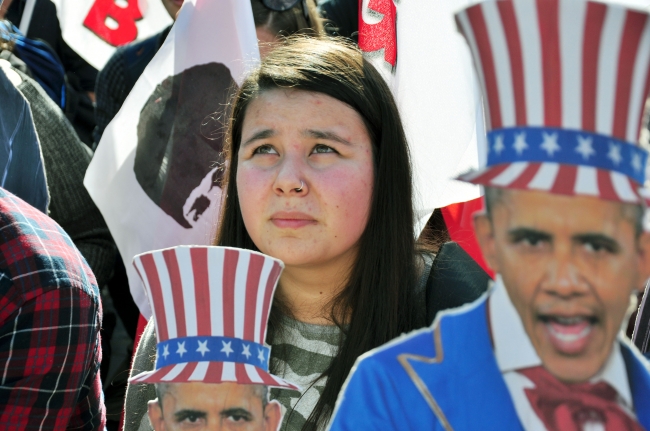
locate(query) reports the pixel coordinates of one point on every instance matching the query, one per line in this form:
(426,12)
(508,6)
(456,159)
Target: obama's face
(207,406)
(570,265)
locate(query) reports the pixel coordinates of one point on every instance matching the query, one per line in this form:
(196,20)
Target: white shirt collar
(513,349)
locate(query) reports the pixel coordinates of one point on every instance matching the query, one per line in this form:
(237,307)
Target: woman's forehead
(280,109)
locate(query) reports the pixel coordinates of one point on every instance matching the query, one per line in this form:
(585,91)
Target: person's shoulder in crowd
(22,161)
(36,252)
(66,159)
(50,317)
(116,80)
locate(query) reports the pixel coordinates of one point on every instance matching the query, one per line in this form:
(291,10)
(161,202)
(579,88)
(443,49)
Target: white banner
(432,78)
(95,28)
(153,173)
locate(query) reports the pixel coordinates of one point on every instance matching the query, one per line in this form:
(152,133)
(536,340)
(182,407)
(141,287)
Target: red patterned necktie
(576,406)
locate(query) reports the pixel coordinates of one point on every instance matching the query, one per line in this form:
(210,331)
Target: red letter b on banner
(125,17)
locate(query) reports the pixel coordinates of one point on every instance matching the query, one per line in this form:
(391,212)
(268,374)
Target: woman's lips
(291,224)
(290,220)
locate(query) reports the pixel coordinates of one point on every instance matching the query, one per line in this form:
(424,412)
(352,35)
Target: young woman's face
(305,177)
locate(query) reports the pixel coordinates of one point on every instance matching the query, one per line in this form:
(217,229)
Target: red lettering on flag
(125,17)
(373,37)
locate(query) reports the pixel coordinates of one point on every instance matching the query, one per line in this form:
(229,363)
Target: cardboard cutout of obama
(564,83)
(210,309)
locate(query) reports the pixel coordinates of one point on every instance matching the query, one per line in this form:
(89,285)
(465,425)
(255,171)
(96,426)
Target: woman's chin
(293,259)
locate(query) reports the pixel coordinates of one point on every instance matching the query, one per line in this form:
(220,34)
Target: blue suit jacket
(446,378)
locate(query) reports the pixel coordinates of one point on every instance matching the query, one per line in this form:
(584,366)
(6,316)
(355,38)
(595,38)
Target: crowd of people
(316,235)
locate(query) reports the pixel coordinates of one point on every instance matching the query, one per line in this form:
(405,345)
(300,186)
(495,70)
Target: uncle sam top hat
(564,85)
(210,308)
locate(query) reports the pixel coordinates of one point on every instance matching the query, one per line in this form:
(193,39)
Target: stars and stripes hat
(210,308)
(564,85)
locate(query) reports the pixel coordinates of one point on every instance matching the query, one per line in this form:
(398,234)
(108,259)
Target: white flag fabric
(95,28)
(153,174)
(438,96)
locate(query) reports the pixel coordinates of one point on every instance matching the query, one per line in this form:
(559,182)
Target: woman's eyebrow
(324,134)
(262,134)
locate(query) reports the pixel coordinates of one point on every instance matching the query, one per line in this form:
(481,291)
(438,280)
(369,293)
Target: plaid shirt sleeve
(50,316)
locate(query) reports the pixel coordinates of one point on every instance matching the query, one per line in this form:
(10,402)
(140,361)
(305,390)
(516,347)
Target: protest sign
(95,28)
(417,48)
(154,173)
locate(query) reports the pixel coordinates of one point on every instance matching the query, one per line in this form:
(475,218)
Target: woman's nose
(290,177)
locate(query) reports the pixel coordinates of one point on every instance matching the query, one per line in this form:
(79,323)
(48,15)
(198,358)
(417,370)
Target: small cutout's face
(224,406)
(570,265)
(305,177)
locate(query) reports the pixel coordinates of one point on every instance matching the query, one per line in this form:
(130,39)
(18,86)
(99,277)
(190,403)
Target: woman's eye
(264,149)
(321,149)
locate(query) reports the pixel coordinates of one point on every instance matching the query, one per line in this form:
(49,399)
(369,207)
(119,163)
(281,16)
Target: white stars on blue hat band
(570,147)
(212,349)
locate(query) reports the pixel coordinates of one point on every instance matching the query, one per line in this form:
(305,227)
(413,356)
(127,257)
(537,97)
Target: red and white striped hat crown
(210,307)
(564,85)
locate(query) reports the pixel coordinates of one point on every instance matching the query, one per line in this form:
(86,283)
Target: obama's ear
(272,416)
(484,232)
(643,247)
(156,415)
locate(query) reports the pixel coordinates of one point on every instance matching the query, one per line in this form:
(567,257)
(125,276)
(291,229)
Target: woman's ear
(484,231)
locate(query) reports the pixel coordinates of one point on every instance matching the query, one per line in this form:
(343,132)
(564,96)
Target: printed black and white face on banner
(181,131)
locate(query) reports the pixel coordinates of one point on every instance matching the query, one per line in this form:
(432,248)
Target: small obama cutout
(564,85)
(210,309)
(180,140)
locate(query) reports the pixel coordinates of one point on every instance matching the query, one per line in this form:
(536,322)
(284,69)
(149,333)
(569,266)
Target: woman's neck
(308,290)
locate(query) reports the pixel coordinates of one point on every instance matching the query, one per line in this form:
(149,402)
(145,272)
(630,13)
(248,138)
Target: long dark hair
(379,298)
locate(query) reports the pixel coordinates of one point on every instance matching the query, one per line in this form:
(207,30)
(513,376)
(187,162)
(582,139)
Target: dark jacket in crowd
(116,80)
(80,75)
(66,160)
(21,161)
(342,17)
